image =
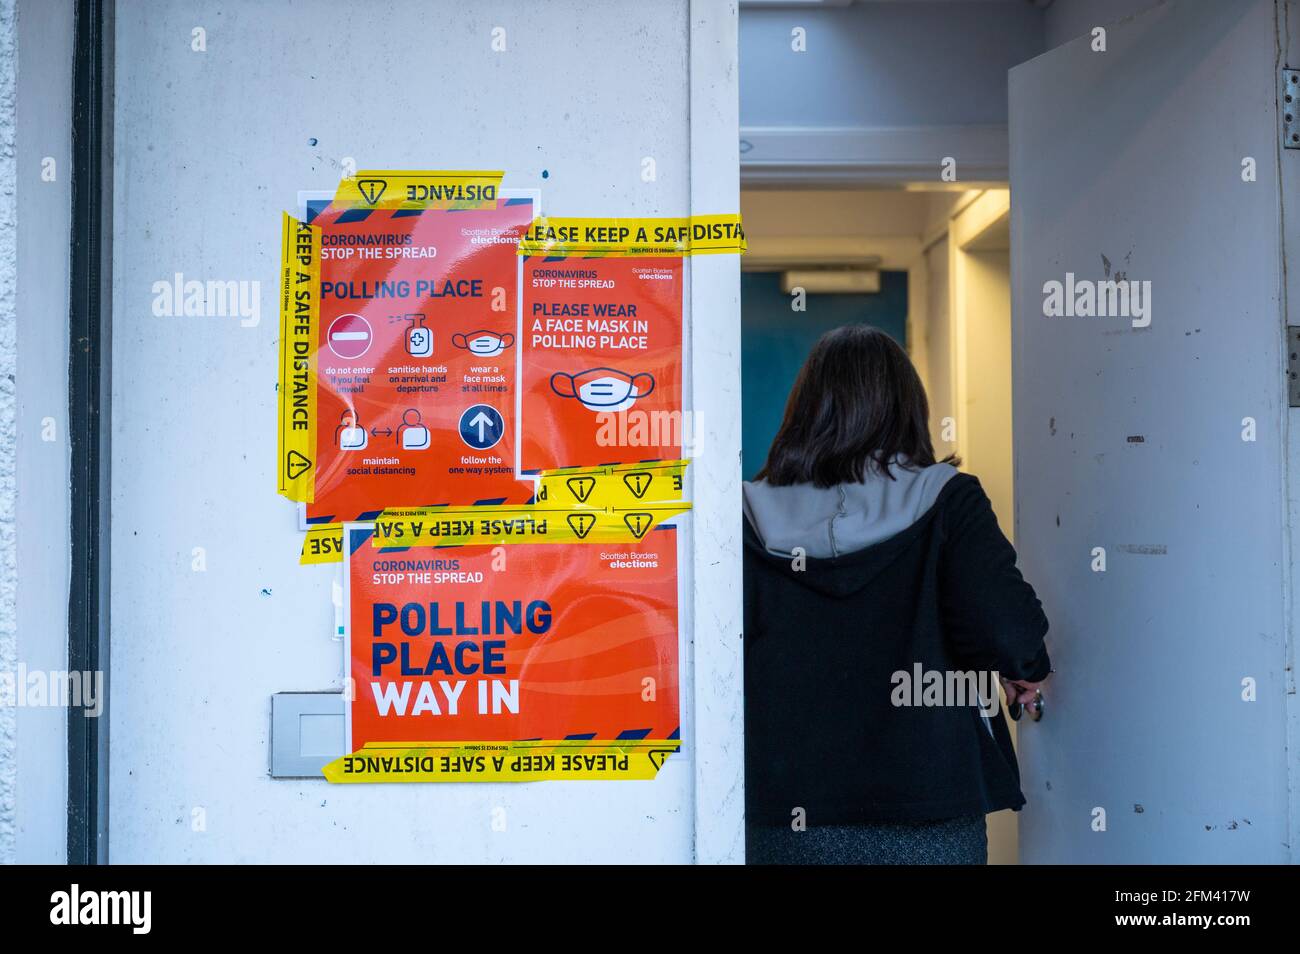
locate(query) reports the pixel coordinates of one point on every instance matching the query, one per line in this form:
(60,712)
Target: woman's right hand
(1021,690)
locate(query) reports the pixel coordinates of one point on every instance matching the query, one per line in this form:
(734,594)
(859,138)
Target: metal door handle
(1035,708)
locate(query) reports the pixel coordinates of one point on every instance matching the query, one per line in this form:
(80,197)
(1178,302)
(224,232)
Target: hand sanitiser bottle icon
(419,339)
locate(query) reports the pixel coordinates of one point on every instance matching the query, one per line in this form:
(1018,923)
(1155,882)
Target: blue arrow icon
(481,426)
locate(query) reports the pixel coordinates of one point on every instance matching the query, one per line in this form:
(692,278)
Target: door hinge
(1293,365)
(1288,101)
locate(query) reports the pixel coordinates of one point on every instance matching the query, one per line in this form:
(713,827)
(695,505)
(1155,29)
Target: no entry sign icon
(349,336)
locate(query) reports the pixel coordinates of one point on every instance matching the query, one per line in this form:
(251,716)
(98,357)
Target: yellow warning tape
(616,485)
(523,523)
(492,526)
(323,544)
(634,238)
(571,760)
(407,189)
(616,503)
(299,317)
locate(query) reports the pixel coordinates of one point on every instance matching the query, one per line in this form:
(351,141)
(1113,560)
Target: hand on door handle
(1035,708)
(1018,697)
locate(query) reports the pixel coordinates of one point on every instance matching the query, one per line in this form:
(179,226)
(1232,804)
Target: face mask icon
(603,389)
(485,344)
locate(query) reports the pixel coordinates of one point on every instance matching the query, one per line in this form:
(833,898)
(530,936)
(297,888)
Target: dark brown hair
(856,405)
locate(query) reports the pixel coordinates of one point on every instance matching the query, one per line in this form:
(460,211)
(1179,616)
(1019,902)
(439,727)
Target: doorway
(930,268)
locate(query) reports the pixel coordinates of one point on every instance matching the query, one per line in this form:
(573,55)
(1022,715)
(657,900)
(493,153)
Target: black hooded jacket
(824,645)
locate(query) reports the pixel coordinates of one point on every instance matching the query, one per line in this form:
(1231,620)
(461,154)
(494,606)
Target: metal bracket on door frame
(1293,365)
(1288,102)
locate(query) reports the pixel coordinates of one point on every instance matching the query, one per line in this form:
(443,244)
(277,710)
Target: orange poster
(416,358)
(506,644)
(601,342)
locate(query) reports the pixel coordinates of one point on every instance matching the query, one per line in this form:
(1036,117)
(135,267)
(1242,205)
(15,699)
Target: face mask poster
(481,424)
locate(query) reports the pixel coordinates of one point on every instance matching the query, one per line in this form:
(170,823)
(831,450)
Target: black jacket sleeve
(991,616)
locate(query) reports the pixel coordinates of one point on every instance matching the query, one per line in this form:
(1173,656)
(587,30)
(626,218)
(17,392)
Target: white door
(1159,447)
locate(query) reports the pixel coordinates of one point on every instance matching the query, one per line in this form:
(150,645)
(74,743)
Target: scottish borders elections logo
(481,426)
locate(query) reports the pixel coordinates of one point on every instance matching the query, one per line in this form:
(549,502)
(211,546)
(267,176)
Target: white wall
(883,92)
(931,331)
(885,224)
(1290,216)
(1066,19)
(716,620)
(884,64)
(935,324)
(984,436)
(980,319)
(210,147)
(33,740)
(835,212)
(8,465)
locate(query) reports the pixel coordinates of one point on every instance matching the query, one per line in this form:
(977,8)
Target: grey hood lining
(834,521)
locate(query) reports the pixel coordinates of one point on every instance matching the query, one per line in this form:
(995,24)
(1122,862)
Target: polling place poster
(415,349)
(481,412)
(514,643)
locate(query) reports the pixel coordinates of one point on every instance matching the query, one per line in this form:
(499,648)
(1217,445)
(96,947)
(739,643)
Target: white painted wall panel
(37,764)
(883,64)
(1131,439)
(1066,19)
(8,437)
(210,147)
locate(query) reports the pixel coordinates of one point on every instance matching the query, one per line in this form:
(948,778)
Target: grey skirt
(952,841)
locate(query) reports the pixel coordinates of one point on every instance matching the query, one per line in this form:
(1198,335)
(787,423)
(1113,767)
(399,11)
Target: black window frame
(89,325)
